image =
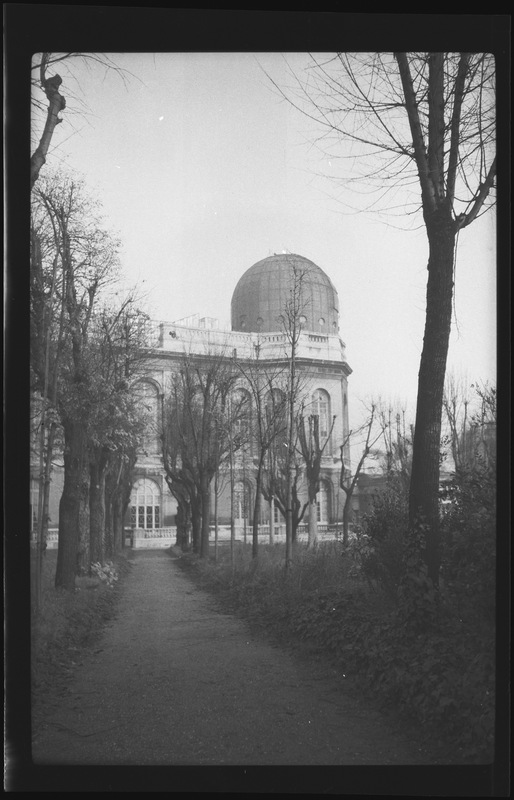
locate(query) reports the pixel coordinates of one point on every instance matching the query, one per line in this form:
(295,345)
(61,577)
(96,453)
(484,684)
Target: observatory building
(259,338)
(260,308)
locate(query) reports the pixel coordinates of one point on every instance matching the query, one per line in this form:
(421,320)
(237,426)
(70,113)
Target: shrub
(107,572)
(440,677)
(385,529)
(68,621)
(469,542)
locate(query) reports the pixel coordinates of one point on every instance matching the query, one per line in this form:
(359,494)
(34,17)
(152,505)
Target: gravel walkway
(175,681)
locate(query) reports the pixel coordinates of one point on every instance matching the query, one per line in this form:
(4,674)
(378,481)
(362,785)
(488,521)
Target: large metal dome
(264,291)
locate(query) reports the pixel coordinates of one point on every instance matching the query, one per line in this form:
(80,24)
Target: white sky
(203,170)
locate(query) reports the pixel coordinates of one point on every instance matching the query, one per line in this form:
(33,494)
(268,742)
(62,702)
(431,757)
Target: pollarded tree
(312,449)
(282,483)
(81,261)
(397,457)
(425,120)
(48,102)
(293,316)
(469,528)
(194,434)
(348,480)
(470,414)
(268,431)
(181,482)
(118,486)
(116,352)
(47,331)
(456,411)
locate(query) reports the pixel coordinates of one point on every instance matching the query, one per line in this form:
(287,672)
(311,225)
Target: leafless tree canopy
(52,94)
(391,120)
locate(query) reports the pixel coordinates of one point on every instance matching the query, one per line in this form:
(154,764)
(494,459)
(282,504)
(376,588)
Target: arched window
(145,505)
(148,397)
(323,502)
(321,408)
(241,501)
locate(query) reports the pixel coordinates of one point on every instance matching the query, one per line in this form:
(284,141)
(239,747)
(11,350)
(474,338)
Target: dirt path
(175,681)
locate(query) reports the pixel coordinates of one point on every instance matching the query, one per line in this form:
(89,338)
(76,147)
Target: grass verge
(439,680)
(68,622)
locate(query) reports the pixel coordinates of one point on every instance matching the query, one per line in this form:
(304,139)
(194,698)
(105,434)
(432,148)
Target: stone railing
(325,532)
(157,537)
(180,338)
(52,538)
(141,539)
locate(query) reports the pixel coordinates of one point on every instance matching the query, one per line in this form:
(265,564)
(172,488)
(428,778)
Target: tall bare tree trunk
(56,104)
(75,472)
(84,553)
(118,534)
(424,486)
(256,508)
(216,481)
(232,494)
(196,524)
(313,523)
(206,512)
(109,517)
(182,523)
(43,506)
(97,507)
(347,510)
(271,520)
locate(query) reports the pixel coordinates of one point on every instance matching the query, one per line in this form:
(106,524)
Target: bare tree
(470,414)
(81,259)
(195,441)
(115,360)
(347,480)
(282,483)
(292,322)
(456,413)
(276,393)
(267,386)
(47,97)
(391,418)
(312,449)
(177,445)
(485,420)
(425,120)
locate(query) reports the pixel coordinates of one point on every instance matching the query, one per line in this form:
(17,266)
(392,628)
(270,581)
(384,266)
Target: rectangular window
(141,517)
(157,522)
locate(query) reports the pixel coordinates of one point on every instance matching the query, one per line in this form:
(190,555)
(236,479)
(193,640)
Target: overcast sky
(203,170)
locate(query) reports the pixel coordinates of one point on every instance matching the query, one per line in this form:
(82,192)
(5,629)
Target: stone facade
(257,328)
(320,359)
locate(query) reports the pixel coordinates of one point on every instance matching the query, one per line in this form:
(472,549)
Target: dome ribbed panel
(264,290)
